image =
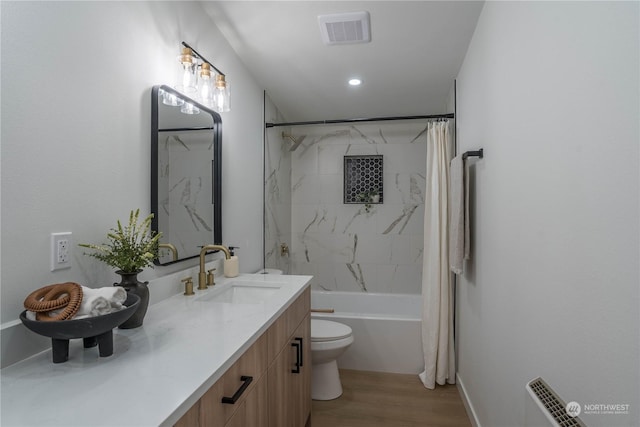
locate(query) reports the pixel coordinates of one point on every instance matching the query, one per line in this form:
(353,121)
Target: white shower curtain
(437,293)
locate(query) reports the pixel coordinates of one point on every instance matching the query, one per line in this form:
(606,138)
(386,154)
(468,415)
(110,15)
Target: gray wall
(76,94)
(550,90)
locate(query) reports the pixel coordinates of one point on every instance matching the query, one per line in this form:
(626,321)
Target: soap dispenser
(231,265)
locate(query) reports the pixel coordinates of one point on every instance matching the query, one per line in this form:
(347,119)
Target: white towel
(105,300)
(467,217)
(95,302)
(459,233)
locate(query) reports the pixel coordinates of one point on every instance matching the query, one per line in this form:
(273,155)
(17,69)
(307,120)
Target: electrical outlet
(60,251)
(63,251)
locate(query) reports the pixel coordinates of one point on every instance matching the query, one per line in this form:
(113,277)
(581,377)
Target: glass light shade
(206,90)
(221,95)
(189,108)
(187,79)
(171,99)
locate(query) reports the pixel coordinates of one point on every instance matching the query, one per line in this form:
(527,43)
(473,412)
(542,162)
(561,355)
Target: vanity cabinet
(253,411)
(289,375)
(279,392)
(210,411)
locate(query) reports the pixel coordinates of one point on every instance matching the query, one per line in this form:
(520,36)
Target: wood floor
(372,399)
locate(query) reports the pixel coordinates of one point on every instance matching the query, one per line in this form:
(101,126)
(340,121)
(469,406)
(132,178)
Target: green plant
(367,195)
(131,247)
(367,198)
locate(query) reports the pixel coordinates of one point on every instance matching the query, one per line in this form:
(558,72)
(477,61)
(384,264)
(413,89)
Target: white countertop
(156,372)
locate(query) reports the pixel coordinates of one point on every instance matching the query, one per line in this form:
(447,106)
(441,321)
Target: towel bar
(479,153)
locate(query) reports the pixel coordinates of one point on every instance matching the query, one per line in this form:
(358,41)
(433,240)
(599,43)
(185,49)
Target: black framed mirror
(186,171)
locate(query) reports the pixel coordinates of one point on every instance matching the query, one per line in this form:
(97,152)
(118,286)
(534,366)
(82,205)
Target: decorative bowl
(97,330)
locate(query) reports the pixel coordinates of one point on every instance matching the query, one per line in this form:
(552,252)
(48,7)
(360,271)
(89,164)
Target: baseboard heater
(554,409)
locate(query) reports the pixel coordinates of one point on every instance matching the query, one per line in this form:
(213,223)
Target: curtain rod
(373,119)
(184,129)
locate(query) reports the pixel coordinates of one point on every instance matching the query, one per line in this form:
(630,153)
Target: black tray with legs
(97,330)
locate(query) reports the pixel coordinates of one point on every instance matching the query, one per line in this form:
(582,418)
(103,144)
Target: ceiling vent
(345,28)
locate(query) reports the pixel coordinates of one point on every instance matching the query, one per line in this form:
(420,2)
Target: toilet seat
(326,330)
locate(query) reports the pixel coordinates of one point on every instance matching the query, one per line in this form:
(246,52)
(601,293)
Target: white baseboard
(473,417)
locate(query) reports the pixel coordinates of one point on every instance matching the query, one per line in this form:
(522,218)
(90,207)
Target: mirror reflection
(186,140)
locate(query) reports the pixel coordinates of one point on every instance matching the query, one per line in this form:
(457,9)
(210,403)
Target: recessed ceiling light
(355,82)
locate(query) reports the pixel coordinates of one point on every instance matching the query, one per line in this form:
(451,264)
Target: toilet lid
(326,330)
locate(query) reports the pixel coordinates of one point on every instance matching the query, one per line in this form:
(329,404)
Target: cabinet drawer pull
(246,380)
(299,339)
(297,368)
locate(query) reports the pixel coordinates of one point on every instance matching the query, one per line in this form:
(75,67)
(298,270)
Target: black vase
(131,284)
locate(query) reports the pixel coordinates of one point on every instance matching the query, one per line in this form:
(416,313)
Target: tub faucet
(202,276)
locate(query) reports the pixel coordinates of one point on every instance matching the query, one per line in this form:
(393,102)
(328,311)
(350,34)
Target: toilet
(328,341)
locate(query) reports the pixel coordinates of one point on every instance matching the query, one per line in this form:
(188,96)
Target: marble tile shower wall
(277,203)
(342,245)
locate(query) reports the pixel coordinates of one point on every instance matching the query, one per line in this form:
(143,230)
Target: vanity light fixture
(221,95)
(170,99)
(189,108)
(206,85)
(187,81)
(196,80)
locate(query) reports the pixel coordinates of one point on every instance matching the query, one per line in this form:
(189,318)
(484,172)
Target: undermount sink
(242,293)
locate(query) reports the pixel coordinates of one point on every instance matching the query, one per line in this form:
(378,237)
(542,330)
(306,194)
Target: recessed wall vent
(554,408)
(345,28)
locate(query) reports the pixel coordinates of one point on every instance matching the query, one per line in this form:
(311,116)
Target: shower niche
(363,182)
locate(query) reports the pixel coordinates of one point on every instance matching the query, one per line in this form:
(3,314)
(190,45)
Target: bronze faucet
(202,276)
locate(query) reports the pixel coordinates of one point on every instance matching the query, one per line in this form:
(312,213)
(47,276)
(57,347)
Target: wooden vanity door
(289,375)
(301,382)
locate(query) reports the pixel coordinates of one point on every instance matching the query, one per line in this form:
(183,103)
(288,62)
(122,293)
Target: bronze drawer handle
(296,370)
(246,380)
(301,350)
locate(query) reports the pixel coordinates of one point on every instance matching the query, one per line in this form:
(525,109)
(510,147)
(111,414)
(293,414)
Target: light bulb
(189,108)
(187,78)
(221,95)
(206,85)
(171,99)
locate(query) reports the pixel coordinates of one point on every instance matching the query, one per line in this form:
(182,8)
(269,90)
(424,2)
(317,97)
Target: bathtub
(386,329)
